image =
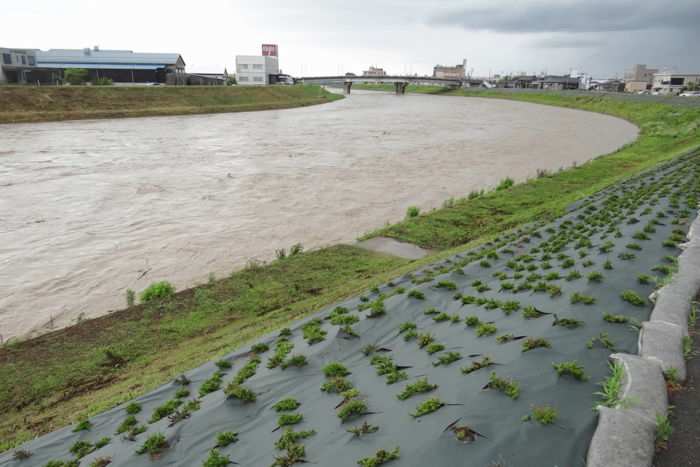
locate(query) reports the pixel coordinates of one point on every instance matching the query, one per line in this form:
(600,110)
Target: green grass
(40,104)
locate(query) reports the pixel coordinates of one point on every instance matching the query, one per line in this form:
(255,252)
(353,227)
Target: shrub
(83,425)
(102,81)
(75,76)
(412,211)
(505,184)
(81,449)
(157,291)
(130,298)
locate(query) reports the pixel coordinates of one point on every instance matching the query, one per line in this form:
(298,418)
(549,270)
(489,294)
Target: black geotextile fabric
(523,283)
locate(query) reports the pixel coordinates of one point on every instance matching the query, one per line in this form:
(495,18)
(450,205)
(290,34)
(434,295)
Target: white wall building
(673,83)
(255,70)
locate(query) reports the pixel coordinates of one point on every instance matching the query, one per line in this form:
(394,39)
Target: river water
(89,209)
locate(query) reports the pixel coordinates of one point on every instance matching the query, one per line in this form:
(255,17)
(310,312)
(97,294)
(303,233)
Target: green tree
(75,76)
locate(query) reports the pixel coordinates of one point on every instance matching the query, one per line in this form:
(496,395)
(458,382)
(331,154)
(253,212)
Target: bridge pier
(347,86)
(400,87)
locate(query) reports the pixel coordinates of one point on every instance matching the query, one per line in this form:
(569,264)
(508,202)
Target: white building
(255,70)
(674,83)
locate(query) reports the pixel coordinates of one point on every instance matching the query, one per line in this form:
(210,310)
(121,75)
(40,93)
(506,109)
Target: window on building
(24,60)
(243,66)
(677,81)
(31,60)
(242,78)
(7,59)
(258,79)
(257,66)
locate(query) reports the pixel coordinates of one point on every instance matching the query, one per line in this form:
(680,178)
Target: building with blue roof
(121,66)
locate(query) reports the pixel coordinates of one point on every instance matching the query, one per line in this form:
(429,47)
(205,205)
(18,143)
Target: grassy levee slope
(36,104)
(665,132)
(56,379)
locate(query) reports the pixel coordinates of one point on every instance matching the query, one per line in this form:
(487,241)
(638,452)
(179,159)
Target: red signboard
(269,50)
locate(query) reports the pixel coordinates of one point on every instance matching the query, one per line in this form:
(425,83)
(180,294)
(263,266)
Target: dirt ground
(683,446)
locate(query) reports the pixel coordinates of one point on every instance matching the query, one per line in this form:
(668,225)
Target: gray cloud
(579,16)
(566,42)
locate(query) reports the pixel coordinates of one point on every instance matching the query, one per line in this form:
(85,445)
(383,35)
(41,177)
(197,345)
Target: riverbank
(56,379)
(23,104)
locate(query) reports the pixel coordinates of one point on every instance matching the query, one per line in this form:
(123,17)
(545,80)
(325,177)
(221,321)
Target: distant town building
(261,70)
(256,70)
(121,66)
(606,85)
(451,72)
(556,83)
(674,83)
(639,78)
(374,71)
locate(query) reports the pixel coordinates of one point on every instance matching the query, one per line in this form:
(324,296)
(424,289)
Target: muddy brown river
(89,209)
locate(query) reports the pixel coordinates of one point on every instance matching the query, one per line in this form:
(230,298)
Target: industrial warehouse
(33,66)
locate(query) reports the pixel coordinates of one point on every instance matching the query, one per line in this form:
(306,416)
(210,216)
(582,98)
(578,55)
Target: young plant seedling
(633,298)
(611,387)
(155,445)
(478,365)
(336,385)
(419,387)
(427,406)
(543,414)
(568,323)
(335,369)
(237,391)
(447,358)
(486,329)
(507,386)
(226,438)
(352,409)
(364,429)
(286,405)
(532,343)
(381,457)
(571,368)
(290,438)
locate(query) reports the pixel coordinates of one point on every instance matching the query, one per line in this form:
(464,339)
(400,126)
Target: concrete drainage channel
(625,436)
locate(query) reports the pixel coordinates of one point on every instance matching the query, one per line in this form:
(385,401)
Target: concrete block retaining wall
(625,436)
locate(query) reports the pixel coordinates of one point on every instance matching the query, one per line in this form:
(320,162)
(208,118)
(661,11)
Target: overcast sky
(601,37)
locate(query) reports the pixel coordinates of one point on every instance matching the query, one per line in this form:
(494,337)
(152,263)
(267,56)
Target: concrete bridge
(400,82)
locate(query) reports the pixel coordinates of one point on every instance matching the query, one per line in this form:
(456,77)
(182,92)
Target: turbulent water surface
(89,209)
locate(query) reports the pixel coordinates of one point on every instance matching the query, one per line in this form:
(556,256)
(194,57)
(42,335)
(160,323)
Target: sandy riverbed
(91,208)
